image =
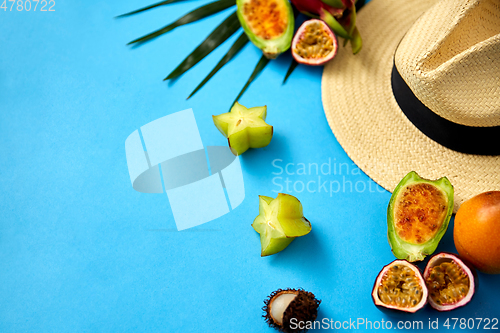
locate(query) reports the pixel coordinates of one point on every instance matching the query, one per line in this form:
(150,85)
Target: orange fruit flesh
(477,231)
(267,19)
(419,212)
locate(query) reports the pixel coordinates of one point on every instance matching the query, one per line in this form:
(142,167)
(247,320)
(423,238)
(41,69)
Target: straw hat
(428,67)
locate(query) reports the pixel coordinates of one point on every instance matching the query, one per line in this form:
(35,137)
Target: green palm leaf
(237,46)
(158,4)
(193,16)
(292,67)
(260,66)
(228,27)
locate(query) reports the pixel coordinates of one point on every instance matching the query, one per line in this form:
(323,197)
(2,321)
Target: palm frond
(292,67)
(218,36)
(258,68)
(193,16)
(237,46)
(158,4)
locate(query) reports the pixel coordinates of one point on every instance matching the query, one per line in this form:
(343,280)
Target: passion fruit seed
(419,212)
(315,42)
(265,18)
(447,283)
(400,287)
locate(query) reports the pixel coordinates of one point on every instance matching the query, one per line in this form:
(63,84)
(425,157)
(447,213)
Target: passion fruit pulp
(314,43)
(418,215)
(269,24)
(450,281)
(400,287)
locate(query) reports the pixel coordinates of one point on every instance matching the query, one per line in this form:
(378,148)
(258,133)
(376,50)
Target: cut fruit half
(400,287)
(418,215)
(284,309)
(451,282)
(314,43)
(268,24)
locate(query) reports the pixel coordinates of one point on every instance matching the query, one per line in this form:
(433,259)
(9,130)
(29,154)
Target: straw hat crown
(449,59)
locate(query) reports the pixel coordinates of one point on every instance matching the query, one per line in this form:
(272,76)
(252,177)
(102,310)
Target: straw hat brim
(368,123)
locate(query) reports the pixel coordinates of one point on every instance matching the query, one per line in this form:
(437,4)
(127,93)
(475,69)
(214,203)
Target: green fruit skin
(271,48)
(274,246)
(250,137)
(356,41)
(291,216)
(221,125)
(279,222)
(254,138)
(408,251)
(334,3)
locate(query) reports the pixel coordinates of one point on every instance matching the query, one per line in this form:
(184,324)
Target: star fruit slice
(279,222)
(244,128)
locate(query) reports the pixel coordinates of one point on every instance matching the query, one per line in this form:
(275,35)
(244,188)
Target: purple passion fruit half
(314,43)
(284,305)
(400,287)
(418,215)
(450,281)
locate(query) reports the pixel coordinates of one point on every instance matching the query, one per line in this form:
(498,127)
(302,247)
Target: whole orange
(477,231)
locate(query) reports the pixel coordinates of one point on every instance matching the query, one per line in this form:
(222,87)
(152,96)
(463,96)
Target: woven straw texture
(367,122)
(442,59)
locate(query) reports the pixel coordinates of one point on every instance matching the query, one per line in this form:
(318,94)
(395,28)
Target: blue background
(80,250)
